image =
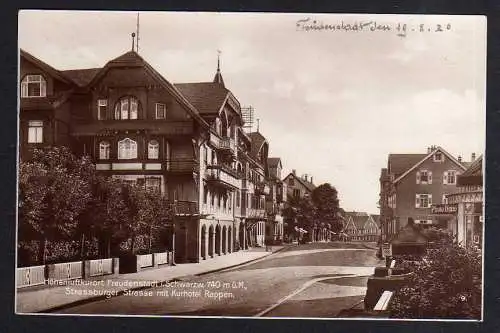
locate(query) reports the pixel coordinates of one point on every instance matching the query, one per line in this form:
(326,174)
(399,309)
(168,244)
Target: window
(153,184)
(296,192)
(127,149)
(291,182)
(102,105)
(104,148)
(127,108)
(35,131)
(424,177)
(450,177)
(153,149)
(237,198)
(33,86)
(161,111)
(423,201)
(438,157)
(445,199)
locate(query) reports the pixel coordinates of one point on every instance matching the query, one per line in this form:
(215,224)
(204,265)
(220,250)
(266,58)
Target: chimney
(294,172)
(305,177)
(473,157)
(429,150)
(460,158)
(311,179)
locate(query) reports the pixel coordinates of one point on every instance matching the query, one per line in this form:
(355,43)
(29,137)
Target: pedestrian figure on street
(269,246)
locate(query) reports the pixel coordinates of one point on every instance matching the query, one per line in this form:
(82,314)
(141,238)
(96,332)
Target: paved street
(312,280)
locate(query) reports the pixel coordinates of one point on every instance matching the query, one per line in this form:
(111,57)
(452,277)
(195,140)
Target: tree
(53,191)
(446,284)
(154,210)
(327,211)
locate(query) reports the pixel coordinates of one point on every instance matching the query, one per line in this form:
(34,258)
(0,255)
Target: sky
(332,103)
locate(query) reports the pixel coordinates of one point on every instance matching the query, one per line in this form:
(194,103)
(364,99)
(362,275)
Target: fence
(30,276)
(145,260)
(66,271)
(161,258)
(100,267)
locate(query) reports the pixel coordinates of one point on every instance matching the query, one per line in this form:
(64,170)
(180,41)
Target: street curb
(241,263)
(121,292)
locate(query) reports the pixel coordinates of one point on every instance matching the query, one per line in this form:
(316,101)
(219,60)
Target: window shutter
(418,177)
(43,88)
(24,89)
(429,177)
(445,177)
(430,199)
(417,201)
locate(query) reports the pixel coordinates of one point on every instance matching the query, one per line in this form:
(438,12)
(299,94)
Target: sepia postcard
(251,165)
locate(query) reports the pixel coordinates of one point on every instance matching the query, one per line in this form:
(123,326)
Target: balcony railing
(224,145)
(223,176)
(185,208)
(182,165)
(255,213)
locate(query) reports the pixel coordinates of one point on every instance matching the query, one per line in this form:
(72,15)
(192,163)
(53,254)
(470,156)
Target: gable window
(291,182)
(153,149)
(104,148)
(423,200)
(33,86)
(450,177)
(35,131)
(161,111)
(424,177)
(296,193)
(127,108)
(127,149)
(102,105)
(438,157)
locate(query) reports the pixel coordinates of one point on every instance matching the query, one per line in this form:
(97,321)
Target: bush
(446,284)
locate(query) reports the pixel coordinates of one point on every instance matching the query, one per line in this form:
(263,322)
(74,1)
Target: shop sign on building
(444,209)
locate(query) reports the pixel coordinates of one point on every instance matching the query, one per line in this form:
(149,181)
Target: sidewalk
(51,298)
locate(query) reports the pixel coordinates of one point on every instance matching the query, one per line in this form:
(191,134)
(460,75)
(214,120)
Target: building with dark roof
(185,141)
(414,186)
(299,187)
(361,226)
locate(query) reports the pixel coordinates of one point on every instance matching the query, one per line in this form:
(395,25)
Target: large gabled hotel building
(185,141)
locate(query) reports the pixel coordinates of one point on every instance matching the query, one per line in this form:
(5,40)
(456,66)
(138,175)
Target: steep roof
(257,141)
(399,163)
(475,168)
(308,185)
(426,157)
(358,218)
(44,66)
(206,97)
(273,162)
(376,218)
(81,77)
(133,59)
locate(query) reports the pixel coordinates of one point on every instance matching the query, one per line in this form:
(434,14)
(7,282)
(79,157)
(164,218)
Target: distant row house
(185,141)
(419,186)
(361,226)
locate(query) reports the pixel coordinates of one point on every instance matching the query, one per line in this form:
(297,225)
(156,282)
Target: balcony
(262,188)
(179,166)
(253,213)
(224,145)
(185,208)
(223,176)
